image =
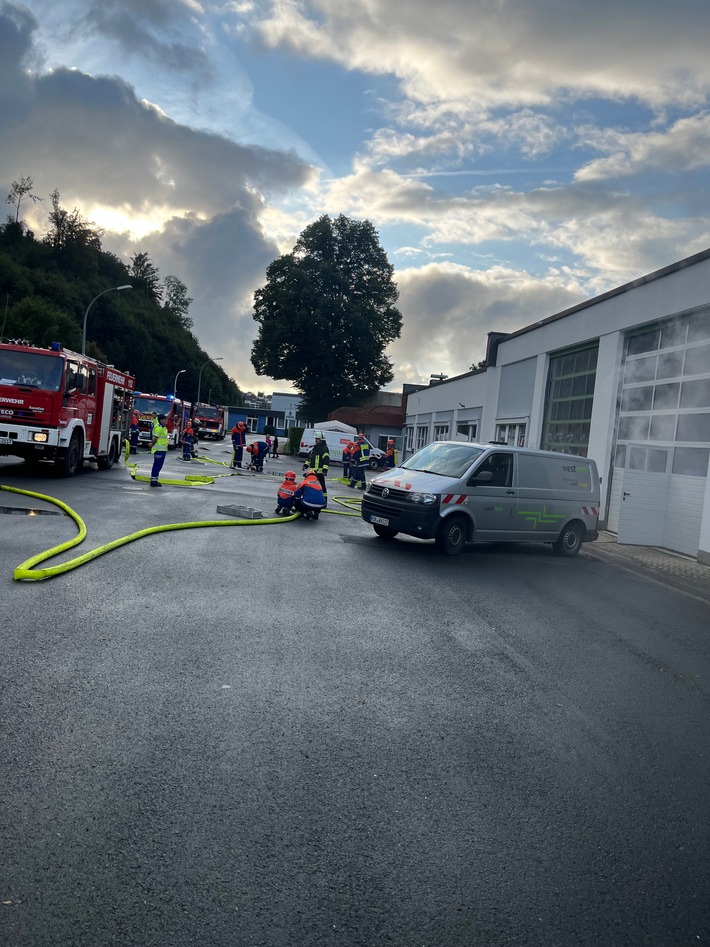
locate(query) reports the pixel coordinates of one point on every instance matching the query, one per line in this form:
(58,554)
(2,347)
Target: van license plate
(5,440)
(379,520)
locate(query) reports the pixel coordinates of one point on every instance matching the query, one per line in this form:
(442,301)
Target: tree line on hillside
(47,283)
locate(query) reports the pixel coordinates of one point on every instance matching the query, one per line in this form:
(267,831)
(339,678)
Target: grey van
(456,492)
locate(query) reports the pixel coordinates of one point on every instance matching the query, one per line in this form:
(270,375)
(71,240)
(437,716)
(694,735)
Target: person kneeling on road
(285,497)
(308,498)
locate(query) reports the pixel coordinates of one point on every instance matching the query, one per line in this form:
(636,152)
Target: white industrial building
(623,378)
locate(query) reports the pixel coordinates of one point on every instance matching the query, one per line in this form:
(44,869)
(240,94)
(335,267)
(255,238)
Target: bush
(294,440)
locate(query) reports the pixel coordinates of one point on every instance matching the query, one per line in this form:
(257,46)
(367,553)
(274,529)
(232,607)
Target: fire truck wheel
(71,461)
(106,463)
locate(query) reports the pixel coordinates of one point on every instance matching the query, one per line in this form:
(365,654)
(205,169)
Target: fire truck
(210,420)
(176,411)
(59,406)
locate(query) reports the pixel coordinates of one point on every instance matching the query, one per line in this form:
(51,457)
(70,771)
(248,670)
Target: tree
(144,273)
(176,300)
(19,190)
(327,314)
(70,230)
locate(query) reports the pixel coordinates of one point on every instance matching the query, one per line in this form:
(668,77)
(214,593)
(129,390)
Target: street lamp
(176,378)
(86,314)
(199,378)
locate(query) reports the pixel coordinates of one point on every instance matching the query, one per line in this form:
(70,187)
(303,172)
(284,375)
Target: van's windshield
(444,458)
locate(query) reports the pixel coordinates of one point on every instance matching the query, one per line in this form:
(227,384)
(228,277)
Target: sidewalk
(669,568)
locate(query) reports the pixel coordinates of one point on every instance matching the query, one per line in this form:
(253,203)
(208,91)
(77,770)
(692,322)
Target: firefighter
(347,460)
(390,455)
(319,460)
(285,496)
(187,440)
(359,463)
(158,447)
(239,439)
(134,429)
(308,498)
(258,452)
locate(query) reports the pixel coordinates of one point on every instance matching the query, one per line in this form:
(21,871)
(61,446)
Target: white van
(456,493)
(336,441)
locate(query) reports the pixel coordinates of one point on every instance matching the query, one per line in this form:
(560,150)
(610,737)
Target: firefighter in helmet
(239,440)
(319,460)
(359,463)
(390,454)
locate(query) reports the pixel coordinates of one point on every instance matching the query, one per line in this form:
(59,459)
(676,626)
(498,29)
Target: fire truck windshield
(208,412)
(152,405)
(30,368)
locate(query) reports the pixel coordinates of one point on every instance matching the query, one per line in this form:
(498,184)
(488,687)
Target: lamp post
(199,377)
(176,378)
(86,314)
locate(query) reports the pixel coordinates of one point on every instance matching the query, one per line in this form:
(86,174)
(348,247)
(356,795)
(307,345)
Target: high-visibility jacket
(239,436)
(361,454)
(319,458)
(391,457)
(161,433)
(287,490)
(310,493)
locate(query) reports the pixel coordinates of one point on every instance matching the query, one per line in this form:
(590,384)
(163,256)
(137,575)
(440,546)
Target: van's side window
(501,467)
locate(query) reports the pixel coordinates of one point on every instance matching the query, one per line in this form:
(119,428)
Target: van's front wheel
(451,536)
(569,542)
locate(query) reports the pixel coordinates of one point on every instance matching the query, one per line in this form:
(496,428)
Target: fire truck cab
(60,406)
(177,414)
(210,420)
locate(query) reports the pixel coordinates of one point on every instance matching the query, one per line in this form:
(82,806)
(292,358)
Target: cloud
(449,309)
(507,54)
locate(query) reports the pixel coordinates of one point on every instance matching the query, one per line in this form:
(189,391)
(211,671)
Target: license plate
(379,520)
(5,440)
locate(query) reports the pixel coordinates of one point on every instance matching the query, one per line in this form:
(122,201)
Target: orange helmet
(361,437)
(310,473)
(241,425)
(390,441)
(290,475)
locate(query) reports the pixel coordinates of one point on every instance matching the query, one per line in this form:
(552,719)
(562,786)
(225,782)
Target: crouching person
(285,497)
(308,498)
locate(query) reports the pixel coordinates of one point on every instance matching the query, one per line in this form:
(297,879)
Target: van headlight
(425,499)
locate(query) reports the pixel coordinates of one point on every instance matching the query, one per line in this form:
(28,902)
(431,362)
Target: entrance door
(643,508)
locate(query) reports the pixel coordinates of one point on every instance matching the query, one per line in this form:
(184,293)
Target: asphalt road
(298,734)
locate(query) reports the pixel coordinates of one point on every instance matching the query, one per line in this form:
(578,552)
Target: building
(623,378)
(279,411)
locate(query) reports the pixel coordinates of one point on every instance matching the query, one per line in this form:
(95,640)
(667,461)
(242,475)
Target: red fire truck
(210,420)
(60,406)
(176,412)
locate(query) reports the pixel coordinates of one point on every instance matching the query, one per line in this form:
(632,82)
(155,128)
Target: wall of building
(516,387)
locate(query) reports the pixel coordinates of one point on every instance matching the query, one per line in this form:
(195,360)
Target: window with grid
(422,435)
(568,405)
(664,414)
(441,432)
(468,430)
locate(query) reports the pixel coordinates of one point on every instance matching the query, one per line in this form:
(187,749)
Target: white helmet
(319,435)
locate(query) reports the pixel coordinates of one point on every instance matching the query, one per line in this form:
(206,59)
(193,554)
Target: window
(422,436)
(501,467)
(511,433)
(691,461)
(441,432)
(467,430)
(569,401)
(252,425)
(409,434)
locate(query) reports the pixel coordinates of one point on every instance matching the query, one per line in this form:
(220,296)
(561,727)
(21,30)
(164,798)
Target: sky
(515,156)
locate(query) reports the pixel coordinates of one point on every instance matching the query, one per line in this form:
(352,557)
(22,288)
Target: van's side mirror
(485,476)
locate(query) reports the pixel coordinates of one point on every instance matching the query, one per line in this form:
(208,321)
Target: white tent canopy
(338,426)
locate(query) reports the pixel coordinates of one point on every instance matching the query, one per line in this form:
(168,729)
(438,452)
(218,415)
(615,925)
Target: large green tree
(327,314)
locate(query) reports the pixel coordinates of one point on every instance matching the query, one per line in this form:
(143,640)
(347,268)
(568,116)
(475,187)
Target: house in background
(623,378)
